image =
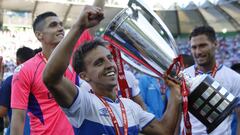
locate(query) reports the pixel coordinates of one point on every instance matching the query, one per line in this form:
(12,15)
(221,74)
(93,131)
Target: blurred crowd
(228,51)
(10,42)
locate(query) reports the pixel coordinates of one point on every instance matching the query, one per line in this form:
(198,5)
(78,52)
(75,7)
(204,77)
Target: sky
(167,3)
(181,3)
(164,3)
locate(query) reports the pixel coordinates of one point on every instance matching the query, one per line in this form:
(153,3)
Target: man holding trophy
(138,32)
(203,46)
(100,112)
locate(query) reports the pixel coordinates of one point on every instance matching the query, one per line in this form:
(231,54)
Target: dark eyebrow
(98,60)
(54,23)
(202,44)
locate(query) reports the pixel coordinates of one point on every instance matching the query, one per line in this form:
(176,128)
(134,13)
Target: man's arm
(167,125)
(18,116)
(63,90)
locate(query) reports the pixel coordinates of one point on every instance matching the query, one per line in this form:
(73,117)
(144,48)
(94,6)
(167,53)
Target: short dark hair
(206,30)
(24,53)
(37,50)
(83,50)
(41,18)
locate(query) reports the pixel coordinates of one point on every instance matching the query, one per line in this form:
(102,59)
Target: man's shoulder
(128,102)
(189,70)
(6,85)
(34,61)
(29,65)
(8,79)
(5,92)
(228,72)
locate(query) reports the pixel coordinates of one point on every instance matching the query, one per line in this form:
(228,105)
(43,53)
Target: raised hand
(90,16)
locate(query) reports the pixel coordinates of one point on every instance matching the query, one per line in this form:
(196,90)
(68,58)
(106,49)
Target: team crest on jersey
(18,68)
(103,112)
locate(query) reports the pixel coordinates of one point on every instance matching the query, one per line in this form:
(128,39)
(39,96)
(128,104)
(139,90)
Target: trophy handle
(153,16)
(130,2)
(138,3)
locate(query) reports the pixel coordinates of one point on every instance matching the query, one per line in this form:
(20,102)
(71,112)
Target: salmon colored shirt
(29,93)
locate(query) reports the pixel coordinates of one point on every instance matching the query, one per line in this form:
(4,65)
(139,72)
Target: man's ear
(39,35)
(84,76)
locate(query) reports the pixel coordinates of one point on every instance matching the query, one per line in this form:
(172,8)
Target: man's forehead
(47,21)
(51,19)
(199,39)
(97,53)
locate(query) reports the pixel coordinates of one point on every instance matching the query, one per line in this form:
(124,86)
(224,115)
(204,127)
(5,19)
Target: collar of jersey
(107,99)
(209,72)
(111,101)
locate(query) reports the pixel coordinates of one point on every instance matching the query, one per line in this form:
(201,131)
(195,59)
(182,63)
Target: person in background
(154,94)
(37,50)
(203,45)
(29,94)
(22,55)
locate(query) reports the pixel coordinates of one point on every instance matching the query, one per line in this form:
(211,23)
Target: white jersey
(90,116)
(230,80)
(130,78)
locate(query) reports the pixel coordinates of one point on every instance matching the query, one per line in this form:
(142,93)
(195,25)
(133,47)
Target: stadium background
(223,15)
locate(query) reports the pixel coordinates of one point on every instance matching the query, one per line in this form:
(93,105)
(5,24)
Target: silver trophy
(146,43)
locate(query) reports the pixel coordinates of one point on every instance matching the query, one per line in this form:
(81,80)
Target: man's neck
(106,93)
(112,95)
(207,68)
(47,51)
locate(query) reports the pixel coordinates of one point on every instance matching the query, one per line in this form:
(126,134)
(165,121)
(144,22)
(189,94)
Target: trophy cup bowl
(146,43)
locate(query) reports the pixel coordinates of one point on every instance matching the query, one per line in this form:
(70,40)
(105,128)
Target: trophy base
(210,103)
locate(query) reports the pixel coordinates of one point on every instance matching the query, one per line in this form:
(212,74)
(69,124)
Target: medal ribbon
(113,118)
(178,62)
(121,75)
